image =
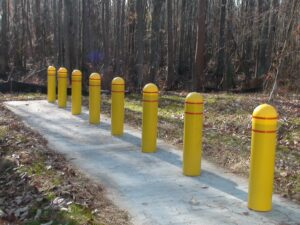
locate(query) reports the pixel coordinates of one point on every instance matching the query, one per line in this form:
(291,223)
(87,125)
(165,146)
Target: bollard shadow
(224,185)
(130,139)
(207,178)
(127,137)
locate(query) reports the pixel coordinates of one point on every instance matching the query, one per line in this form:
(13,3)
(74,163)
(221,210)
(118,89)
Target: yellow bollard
(263,144)
(76,92)
(117,106)
(94,98)
(62,74)
(51,84)
(149,124)
(192,135)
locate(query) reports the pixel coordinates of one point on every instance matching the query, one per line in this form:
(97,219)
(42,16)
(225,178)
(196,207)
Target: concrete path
(150,186)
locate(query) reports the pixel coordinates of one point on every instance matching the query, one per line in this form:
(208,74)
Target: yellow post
(117,106)
(149,124)
(94,98)
(62,87)
(192,135)
(263,144)
(76,92)
(51,84)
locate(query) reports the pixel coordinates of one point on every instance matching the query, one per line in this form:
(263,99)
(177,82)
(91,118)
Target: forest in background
(178,44)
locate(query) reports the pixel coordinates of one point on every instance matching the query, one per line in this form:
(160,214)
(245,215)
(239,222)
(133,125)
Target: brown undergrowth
(38,186)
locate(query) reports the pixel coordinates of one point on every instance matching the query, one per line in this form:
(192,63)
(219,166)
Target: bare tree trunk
(154,54)
(131,44)
(76,35)
(60,34)
(198,78)
(107,33)
(263,9)
(140,44)
(122,39)
(4,41)
(38,30)
(228,84)
(108,70)
(272,31)
(287,35)
(45,34)
(247,55)
(85,33)
(117,37)
(67,34)
(221,55)
(181,52)
(171,71)
(16,37)
(55,33)
(28,30)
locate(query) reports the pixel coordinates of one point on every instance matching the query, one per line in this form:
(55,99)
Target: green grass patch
(79,213)
(50,196)
(36,168)
(33,222)
(75,215)
(3,132)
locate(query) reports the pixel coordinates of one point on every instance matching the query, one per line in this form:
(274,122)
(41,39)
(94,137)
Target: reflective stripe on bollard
(149,124)
(263,144)
(62,75)
(192,137)
(117,106)
(94,98)
(76,92)
(51,84)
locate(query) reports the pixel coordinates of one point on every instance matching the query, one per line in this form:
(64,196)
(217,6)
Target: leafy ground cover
(227,131)
(38,186)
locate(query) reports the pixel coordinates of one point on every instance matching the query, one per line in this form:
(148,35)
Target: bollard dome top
(51,69)
(62,70)
(150,88)
(265,111)
(95,76)
(194,97)
(76,73)
(118,80)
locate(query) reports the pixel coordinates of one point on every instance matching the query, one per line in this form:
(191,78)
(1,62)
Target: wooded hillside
(179,44)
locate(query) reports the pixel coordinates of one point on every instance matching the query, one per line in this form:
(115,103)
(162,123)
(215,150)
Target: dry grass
(227,125)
